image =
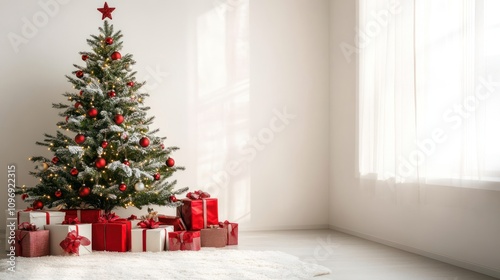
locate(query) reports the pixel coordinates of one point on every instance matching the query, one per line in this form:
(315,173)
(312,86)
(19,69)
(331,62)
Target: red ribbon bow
(197,195)
(108,218)
(149,224)
(71,244)
(27,226)
(71,221)
(132,217)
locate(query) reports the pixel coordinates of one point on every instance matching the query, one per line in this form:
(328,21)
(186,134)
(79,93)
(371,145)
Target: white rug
(205,264)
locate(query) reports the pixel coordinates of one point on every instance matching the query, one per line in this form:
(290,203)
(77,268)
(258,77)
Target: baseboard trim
(278,228)
(463,264)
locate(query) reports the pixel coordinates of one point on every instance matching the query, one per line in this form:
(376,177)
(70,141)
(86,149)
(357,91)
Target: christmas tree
(104,154)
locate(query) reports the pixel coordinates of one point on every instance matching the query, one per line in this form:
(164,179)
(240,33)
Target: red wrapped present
(111,233)
(70,238)
(31,242)
(213,237)
(177,222)
(232,232)
(199,210)
(84,215)
(184,241)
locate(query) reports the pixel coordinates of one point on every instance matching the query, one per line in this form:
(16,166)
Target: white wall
(282,184)
(461,226)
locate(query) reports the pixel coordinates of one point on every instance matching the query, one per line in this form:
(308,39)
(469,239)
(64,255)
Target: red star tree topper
(106,11)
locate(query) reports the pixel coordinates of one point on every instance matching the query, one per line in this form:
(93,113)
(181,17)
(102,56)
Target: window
(429,92)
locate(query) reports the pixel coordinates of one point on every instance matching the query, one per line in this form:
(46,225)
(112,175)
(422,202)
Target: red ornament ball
(130,84)
(104,144)
(37,204)
(81,92)
(122,187)
(173,198)
(156,176)
(100,163)
(55,160)
(79,74)
(144,142)
(67,117)
(58,193)
(83,191)
(78,105)
(119,119)
(79,138)
(24,196)
(112,93)
(116,56)
(92,112)
(126,162)
(109,41)
(162,146)
(85,57)
(170,162)
(74,171)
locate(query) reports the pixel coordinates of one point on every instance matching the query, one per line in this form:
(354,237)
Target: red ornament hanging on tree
(126,162)
(67,117)
(170,162)
(37,204)
(58,193)
(109,41)
(104,144)
(156,176)
(81,92)
(173,198)
(79,74)
(100,163)
(83,191)
(92,112)
(24,196)
(55,160)
(144,142)
(79,138)
(130,84)
(74,171)
(116,56)
(122,187)
(78,105)
(85,57)
(112,93)
(162,146)
(119,119)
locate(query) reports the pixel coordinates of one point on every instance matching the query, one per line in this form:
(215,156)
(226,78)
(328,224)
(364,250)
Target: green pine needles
(104,155)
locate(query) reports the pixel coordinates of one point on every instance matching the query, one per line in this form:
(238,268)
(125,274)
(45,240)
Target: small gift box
(213,237)
(232,232)
(184,241)
(31,242)
(111,233)
(40,218)
(150,237)
(84,215)
(71,237)
(199,210)
(176,222)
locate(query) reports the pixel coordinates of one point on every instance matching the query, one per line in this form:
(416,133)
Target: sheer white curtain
(429,82)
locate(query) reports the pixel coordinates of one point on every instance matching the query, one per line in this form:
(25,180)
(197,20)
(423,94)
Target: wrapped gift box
(213,237)
(112,236)
(59,232)
(184,241)
(176,222)
(40,218)
(232,232)
(84,215)
(32,243)
(150,240)
(199,213)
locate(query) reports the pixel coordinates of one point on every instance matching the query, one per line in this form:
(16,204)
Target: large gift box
(213,237)
(64,239)
(31,242)
(199,213)
(176,222)
(149,238)
(111,234)
(232,232)
(84,215)
(184,241)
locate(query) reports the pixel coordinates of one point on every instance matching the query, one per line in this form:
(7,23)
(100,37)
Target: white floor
(349,257)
